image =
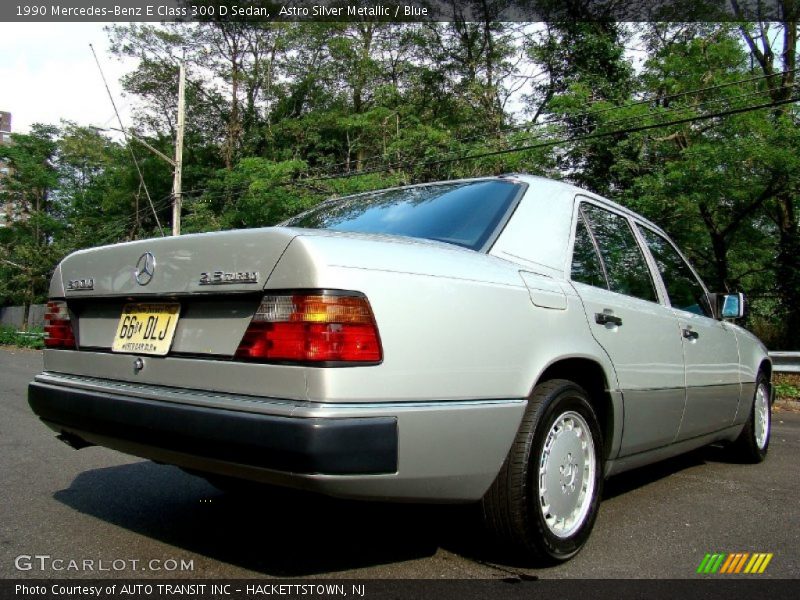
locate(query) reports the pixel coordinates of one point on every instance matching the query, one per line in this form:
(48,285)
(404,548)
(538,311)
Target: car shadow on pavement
(642,476)
(271,531)
(291,533)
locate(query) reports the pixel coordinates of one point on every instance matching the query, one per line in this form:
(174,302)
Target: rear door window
(625,265)
(586,264)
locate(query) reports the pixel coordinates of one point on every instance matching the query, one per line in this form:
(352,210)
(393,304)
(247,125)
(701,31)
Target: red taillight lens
(312,328)
(57,326)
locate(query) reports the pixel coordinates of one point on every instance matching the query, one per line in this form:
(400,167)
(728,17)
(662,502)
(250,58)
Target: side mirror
(731,306)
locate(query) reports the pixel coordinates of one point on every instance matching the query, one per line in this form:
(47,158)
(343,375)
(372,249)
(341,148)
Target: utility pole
(176,184)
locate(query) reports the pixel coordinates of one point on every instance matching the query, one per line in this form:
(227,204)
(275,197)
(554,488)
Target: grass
(787,386)
(9,336)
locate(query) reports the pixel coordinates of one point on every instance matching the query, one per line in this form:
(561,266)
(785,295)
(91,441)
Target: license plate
(146,328)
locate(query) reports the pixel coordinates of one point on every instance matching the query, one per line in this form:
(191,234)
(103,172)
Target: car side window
(625,266)
(684,290)
(586,265)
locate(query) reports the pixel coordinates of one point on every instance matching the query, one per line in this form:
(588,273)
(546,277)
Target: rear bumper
(441,451)
(363,445)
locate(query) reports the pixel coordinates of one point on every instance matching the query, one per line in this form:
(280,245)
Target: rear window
(465,213)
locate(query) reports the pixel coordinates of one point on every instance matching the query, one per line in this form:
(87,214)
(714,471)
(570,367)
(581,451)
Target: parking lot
(119,511)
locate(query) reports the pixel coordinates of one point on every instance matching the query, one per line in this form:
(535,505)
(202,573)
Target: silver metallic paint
(444,450)
(461,332)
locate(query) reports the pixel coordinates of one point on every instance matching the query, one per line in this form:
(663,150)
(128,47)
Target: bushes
(9,336)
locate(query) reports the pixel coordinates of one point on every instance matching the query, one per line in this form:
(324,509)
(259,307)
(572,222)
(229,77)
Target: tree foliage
(282,115)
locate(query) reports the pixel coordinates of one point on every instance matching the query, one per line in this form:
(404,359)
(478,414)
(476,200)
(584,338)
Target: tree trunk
(788,269)
(26,311)
(780,87)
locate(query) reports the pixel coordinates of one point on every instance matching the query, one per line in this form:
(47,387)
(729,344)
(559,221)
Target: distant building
(7,212)
(5,126)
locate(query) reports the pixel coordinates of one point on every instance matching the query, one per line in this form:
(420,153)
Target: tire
(558,443)
(753,443)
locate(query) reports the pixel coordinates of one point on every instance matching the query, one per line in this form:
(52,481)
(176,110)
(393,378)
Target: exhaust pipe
(73,441)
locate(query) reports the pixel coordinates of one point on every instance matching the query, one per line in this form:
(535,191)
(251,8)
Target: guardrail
(785,362)
(32,334)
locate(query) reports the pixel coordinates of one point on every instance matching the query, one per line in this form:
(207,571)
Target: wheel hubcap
(761,417)
(567,474)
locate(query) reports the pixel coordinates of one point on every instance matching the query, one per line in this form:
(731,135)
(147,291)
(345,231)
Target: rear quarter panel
(454,324)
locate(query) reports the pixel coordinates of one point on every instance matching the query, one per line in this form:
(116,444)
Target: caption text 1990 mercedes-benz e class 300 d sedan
(510,340)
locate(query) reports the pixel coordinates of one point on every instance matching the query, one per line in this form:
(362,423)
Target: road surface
(139,519)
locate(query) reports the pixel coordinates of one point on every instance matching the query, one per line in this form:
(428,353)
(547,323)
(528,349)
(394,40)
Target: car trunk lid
(233,261)
(216,278)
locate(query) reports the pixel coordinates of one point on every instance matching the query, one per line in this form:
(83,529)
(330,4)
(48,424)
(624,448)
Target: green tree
(28,251)
(784,204)
(585,67)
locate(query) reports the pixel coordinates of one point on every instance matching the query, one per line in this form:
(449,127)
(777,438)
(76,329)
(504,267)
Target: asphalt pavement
(98,513)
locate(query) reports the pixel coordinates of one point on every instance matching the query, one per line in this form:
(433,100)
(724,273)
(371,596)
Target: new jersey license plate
(146,328)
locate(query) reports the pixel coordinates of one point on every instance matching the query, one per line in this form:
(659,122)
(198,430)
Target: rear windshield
(465,213)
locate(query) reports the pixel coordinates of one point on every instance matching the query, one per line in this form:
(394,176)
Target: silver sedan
(507,340)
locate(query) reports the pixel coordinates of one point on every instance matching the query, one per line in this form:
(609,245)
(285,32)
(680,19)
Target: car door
(640,335)
(710,348)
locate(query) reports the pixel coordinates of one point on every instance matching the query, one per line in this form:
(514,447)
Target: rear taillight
(316,327)
(57,326)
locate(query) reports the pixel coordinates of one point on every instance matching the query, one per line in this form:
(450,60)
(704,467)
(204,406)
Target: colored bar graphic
(724,563)
(741,562)
(767,558)
(756,558)
(732,560)
(716,563)
(704,563)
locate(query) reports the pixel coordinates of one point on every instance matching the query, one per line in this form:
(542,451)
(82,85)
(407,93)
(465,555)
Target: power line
(617,122)
(541,144)
(592,113)
(329,174)
(548,143)
(111,232)
(403,164)
(124,133)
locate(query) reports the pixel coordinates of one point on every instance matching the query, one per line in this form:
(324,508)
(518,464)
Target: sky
(48,73)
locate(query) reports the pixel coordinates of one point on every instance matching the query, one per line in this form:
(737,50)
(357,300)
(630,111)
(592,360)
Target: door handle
(690,335)
(605,318)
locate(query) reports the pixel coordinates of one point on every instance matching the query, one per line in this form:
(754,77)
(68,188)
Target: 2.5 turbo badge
(225,277)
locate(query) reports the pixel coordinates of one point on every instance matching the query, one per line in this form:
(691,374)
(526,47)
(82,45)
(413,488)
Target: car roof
(533,181)
(537,181)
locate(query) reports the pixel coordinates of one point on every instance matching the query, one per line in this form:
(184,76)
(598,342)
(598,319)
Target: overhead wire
(705,104)
(112,231)
(127,140)
(547,143)
(593,112)
(453,157)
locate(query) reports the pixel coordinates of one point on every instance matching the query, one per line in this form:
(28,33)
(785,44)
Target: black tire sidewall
(569,397)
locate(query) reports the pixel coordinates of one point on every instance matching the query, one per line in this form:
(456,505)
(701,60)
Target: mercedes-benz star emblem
(145,267)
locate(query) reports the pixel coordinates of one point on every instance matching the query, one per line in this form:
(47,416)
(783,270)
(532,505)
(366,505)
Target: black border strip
(394,10)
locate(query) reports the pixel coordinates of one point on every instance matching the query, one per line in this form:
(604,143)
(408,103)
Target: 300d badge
(77,285)
(224,277)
